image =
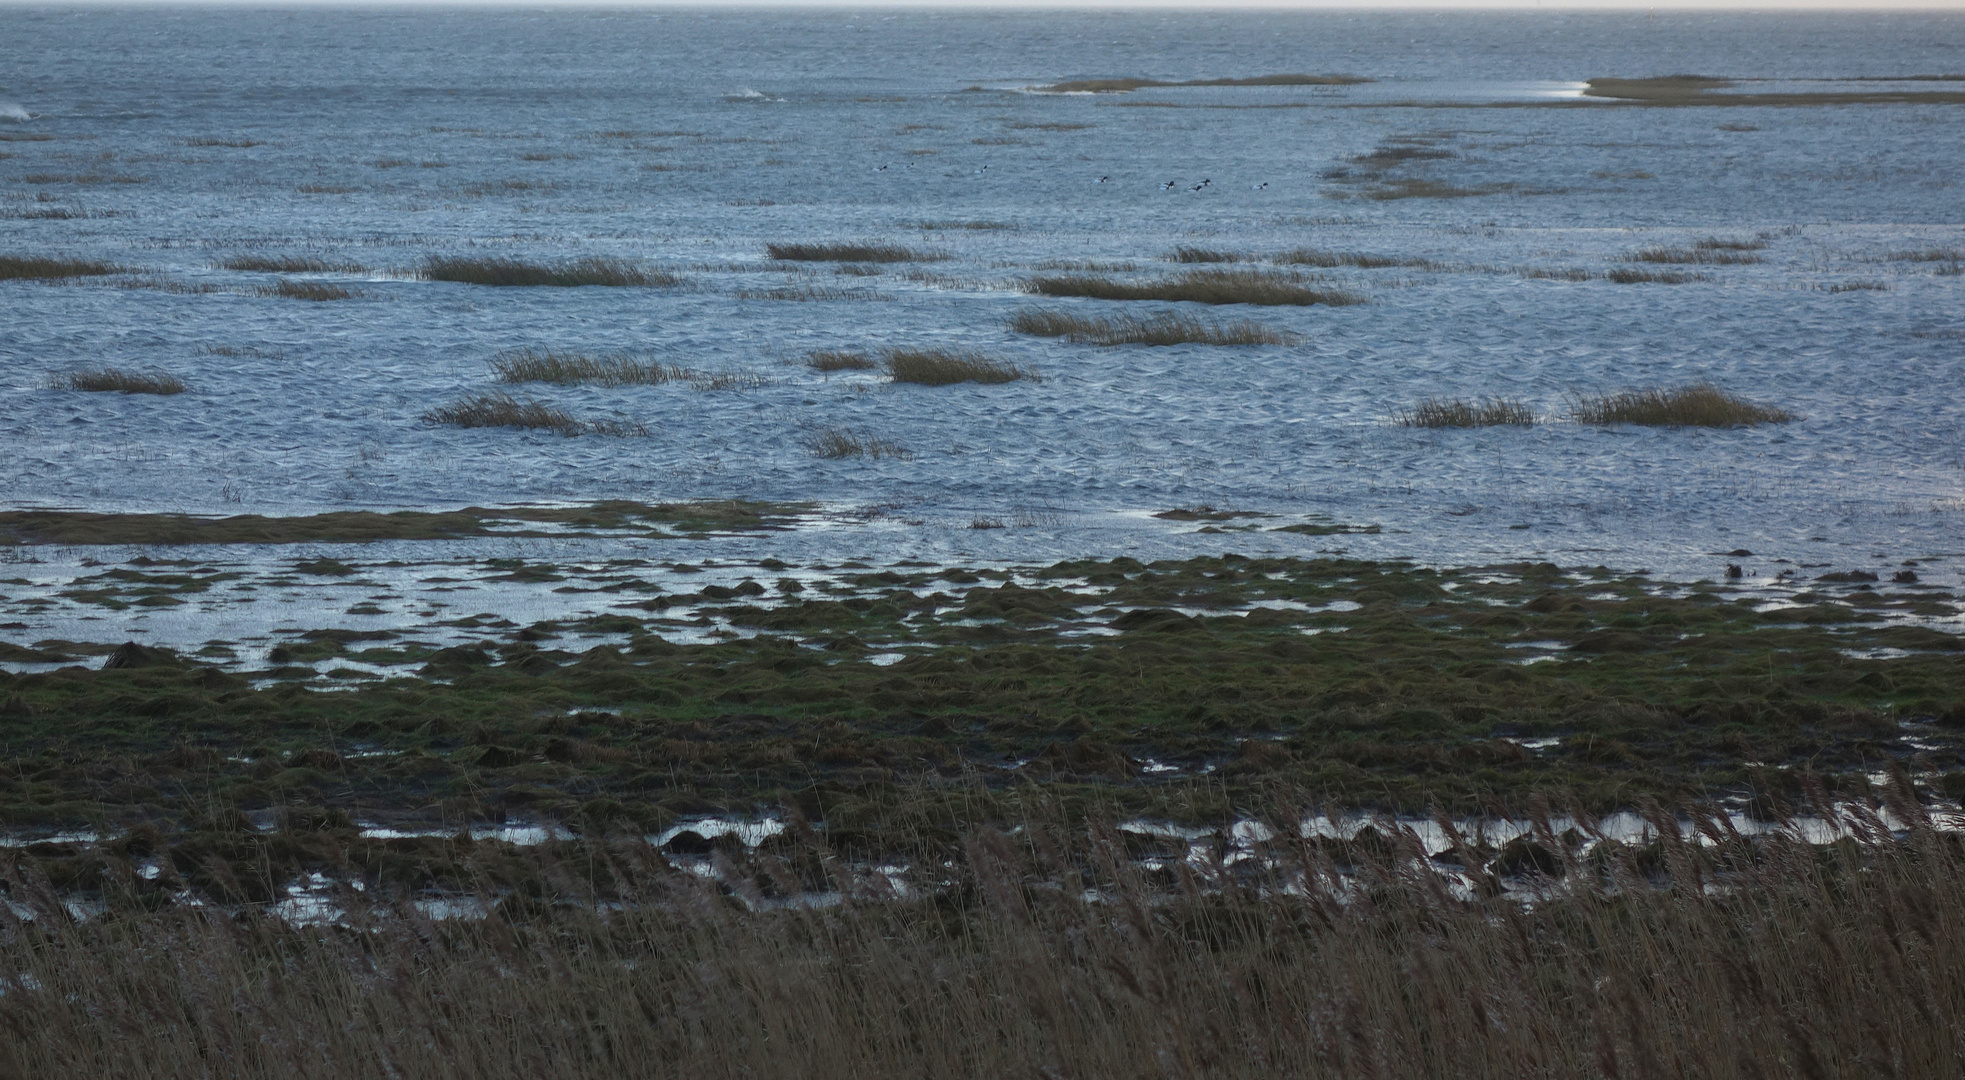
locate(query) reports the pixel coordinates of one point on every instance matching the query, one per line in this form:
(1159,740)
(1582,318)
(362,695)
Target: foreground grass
(944,367)
(1153,330)
(1459,413)
(517,272)
(1065,948)
(503,410)
(1375,685)
(575,369)
(18,267)
(105,380)
(1700,405)
(1199,286)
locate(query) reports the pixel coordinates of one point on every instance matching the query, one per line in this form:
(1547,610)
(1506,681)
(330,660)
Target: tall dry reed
(1052,951)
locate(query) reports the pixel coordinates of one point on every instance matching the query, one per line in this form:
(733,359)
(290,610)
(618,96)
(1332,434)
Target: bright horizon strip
(1554,6)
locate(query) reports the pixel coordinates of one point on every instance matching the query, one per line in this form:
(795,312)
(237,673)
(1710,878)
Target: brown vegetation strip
(1199,286)
(1166,329)
(945,367)
(1699,405)
(28,267)
(1695,90)
(1120,86)
(120,381)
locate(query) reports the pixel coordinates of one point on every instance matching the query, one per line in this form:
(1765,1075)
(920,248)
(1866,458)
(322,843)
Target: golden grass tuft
(106,380)
(843,442)
(944,367)
(503,410)
(1198,286)
(32,268)
(854,253)
(548,366)
(517,272)
(1165,329)
(829,360)
(1698,405)
(306,290)
(1440,412)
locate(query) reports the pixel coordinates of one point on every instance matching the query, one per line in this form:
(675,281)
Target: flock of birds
(1168,186)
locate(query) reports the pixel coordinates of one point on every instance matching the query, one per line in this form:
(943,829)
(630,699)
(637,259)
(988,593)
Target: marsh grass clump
(1440,412)
(1699,254)
(545,365)
(1121,86)
(1731,243)
(944,367)
(852,253)
(1207,255)
(1198,286)
(517,272)
(1698,405)
(33,268)
(306,290)
(1637,275)
(1334,259)
(289,264)
(1155,330)
(810,293)
(104,380)
(828,360)
(503,410)
(844,442)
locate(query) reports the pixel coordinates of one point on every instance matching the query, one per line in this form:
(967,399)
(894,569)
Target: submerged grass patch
(290,264)
(519,273)
(1165,329)
(1699,405)
(33,267)
(1334,259)
(1199,286)
(1704,253)
(852,253)
(307,290)
(1460,413)
(1637,275)
(844,442)
(1680,90)
(116,380)
(944,367)
(502,410)
(829,360)
(546,365)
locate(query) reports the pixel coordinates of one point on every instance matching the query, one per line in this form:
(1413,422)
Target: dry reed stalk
(1053,951)
(290,264)
(1699,405)
(842,442)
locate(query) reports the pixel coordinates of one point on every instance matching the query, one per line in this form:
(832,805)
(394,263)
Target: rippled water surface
(171,141)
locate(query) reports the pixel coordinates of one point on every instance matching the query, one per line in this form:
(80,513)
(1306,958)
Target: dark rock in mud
(131,655)
(1155,621)
(1849,576)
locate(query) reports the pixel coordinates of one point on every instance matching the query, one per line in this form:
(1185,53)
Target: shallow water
(690,140)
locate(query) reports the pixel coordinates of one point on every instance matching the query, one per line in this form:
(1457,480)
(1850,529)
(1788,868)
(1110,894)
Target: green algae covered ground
(1179,688)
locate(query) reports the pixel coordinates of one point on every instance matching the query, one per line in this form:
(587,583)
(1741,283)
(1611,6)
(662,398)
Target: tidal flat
(971,544)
